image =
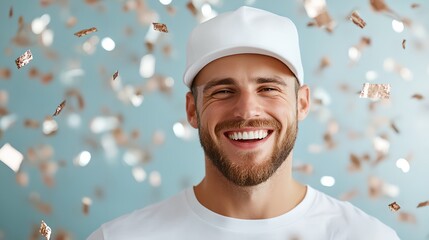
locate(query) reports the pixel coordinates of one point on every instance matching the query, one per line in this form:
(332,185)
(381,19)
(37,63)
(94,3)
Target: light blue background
(180,162)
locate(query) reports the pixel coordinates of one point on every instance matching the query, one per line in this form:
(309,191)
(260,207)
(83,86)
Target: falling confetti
(317,10)
(24,59)
(375,91)
(115,75)
(45,230)
(356,19)
(11,157)
(415,5)
(417,96)
(191,7)
(85,32)
(59,108)
(160,27)
(10,12)
(86,203)
(423,204)
(394,207)
(403,43)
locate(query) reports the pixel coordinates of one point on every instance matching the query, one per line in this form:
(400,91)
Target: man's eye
(222,92)
(267,89)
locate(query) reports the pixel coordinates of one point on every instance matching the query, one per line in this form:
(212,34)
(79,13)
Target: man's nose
(247,106)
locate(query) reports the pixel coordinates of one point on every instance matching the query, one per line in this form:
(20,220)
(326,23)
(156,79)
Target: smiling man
(246,97)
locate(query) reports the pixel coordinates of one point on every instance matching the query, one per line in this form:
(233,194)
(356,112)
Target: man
(247,95)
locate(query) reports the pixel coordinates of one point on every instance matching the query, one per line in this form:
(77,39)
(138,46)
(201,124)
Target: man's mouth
(248,135)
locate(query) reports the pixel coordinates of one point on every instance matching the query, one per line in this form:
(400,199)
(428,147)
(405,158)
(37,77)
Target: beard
(252,174)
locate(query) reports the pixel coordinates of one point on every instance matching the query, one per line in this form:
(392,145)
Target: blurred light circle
(327,181)
(165,2)
(397,26)
(108,44)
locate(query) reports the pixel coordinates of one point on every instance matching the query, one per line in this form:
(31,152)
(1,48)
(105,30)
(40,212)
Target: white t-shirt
(318,216)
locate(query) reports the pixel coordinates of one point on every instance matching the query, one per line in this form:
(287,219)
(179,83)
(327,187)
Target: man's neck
(278,195)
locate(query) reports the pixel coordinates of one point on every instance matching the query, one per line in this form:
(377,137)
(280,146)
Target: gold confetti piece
(304,168)
(415,5)
(45,230)
(71,22)
(30,123)
(160,27)
(86,202)
(11,12)
(191,7)
(115,75)
(394,127)
(85,32)
(423,204)
(24,59)
(5,73)
(406,217)
(317,10)
(11,157)
(394,207)
(356,19)
(80,101)
(59,108)
(417,96)
(22,178)
(375,91)
(355,163)
(403,43)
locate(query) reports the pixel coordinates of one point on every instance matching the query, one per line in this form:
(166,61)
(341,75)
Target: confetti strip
(394,207)
(375,91)
(85,32)
(423,204)
(59,108)
(11,12)
(403,43)
(417,96)
(45,230)
(160,27)
(356,19)
(24,59)
(11,157)
(115,75)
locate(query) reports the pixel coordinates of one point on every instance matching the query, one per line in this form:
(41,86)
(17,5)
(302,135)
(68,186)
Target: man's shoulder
(348,219)
(146,219)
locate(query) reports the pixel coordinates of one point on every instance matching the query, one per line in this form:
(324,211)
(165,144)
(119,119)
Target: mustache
(255,123)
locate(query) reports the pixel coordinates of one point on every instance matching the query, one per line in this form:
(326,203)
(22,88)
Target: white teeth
(260,134)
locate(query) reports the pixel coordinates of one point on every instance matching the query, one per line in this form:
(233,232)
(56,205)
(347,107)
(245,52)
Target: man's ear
(191,110)
(303,102)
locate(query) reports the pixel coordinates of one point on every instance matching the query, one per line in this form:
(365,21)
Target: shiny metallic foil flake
(115,75)
(160,27)
(403,43)
(423,204)
(375,91)
(45,230)
(394,207)
(24,59)
(85,32)
(356,19)
(59,108)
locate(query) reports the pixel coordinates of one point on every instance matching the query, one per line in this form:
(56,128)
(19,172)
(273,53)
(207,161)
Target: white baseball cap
(245,30)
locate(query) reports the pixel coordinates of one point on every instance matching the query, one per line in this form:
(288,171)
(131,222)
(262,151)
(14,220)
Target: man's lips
(248,138)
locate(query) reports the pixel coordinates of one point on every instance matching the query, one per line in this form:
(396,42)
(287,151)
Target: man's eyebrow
(275,80)
(217,82)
